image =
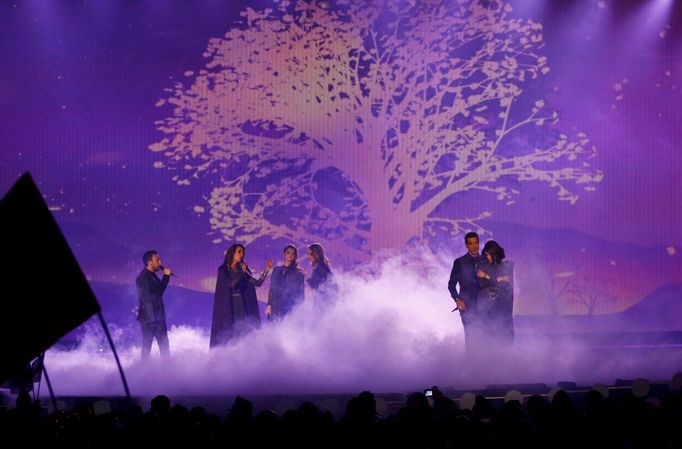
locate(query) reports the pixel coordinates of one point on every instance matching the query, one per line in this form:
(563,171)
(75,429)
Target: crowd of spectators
(534,421)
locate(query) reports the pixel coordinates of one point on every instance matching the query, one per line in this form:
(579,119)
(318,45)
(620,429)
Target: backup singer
(321,280)
(286,285)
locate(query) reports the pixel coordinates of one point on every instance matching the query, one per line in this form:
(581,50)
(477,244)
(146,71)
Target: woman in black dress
(286,285)
(322,279)
(495,301)
(235,305)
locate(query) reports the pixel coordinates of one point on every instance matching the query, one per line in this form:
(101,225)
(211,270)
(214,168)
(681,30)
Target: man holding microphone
(151,312)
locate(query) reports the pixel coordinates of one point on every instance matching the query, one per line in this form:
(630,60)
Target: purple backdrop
(553,127)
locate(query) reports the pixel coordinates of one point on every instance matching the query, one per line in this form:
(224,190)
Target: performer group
(481,285)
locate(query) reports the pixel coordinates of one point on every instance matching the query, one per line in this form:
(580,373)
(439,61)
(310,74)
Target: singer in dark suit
(235,304)
(151,312)
(464,274)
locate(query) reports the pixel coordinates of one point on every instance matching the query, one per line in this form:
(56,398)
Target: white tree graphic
(392,108)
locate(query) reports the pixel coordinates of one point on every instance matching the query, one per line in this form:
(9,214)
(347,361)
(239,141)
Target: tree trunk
(391,225)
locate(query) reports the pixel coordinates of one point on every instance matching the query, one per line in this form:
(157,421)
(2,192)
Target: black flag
(44,294)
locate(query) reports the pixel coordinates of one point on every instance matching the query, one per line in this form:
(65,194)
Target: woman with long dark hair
(235,305)
(322,279)
(495,302)
(286,285)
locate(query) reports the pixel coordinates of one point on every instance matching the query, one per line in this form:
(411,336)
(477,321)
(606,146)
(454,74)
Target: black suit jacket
(149,292)
(464,273)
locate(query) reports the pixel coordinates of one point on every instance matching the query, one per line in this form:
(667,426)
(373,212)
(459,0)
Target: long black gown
(235,304)
(495,301)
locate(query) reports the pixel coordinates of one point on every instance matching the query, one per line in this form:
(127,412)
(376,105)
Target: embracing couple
(485,298)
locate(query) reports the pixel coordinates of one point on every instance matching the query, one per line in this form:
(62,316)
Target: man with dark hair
(464,273)
(151,312)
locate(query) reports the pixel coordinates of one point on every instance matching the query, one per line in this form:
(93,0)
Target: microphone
(172,274)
